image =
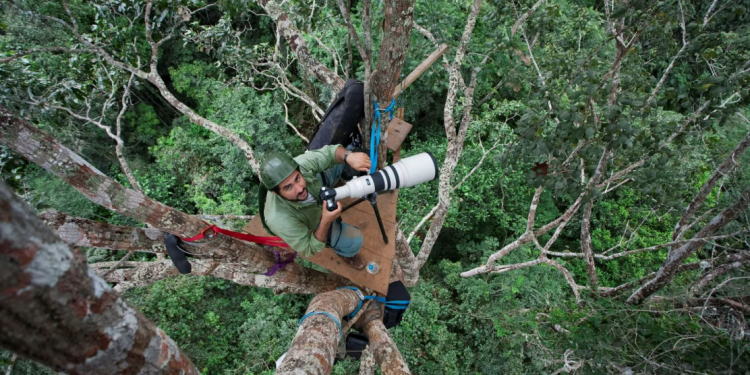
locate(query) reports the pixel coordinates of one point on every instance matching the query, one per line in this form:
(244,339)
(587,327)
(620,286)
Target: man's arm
(324,158)
(357,160)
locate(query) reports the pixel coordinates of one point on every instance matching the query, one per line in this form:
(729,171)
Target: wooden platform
(361,216)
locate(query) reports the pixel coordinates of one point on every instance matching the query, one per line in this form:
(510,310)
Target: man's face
(294,187)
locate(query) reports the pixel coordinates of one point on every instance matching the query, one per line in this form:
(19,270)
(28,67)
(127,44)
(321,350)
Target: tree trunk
(386,353)
(396,36)
(586,249)
(675,258)
(55,311)
(399,15)
(313,349)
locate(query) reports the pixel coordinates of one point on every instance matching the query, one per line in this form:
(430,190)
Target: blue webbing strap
(397,305)
(338,324)
(375,134)
(394,305)
(361,298)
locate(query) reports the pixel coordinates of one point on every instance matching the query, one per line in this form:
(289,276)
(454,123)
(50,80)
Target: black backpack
(396,302)
(339,124)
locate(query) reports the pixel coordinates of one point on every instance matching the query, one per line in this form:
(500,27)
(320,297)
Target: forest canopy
(590,215)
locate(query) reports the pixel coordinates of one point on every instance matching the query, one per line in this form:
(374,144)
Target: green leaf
(590,133)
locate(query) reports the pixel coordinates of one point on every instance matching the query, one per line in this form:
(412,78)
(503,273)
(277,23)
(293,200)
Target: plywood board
(398,129)
(373,249)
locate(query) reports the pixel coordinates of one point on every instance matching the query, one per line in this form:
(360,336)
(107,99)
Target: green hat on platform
(276,168)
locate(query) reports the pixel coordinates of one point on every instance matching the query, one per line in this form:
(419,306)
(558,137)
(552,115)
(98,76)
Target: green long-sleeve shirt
(296,222)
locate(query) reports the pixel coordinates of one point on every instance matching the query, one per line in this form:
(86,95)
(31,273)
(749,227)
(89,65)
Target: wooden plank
(419,70)
(398,129)
(397,152)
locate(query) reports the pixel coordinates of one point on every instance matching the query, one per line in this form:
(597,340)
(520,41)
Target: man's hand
(330,216)
(359,161)
(326,218)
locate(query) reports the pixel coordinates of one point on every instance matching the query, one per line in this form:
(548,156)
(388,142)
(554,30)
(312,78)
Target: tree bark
(386,353)
(42,149)
(397,26)
(55,311)
(136,274)
(666,272)
(367,362)
(313,349)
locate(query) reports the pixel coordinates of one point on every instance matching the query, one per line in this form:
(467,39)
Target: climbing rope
(375,133)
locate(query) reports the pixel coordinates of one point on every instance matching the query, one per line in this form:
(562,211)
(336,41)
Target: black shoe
(176,254)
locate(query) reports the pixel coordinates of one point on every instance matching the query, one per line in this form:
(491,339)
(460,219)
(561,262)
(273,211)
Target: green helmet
(276,168)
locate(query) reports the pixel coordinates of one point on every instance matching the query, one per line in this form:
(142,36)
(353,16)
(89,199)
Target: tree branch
(625,171)
(733,262)
(523,17)
(676,257)
(586,249)
(671,64)
(286,119)
(294,38)
(455,136)
(386,353)
(40,148)
(723,170)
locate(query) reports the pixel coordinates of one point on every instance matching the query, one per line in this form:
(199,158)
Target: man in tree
(293,211)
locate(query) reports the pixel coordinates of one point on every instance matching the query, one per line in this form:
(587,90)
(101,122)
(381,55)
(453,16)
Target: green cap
(276,168)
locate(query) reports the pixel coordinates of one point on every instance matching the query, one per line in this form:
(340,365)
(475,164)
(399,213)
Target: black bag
(339,124)
(396,302)
(355,344)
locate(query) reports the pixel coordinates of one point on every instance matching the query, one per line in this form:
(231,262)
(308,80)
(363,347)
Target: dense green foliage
(536,109)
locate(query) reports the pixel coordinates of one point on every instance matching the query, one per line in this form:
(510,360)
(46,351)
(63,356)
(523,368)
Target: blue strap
(361,298)
(393,305)
(397,305)
(338,324)
(376,298)
(375,133)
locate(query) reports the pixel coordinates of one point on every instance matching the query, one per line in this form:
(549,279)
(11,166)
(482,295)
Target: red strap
(270,241)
